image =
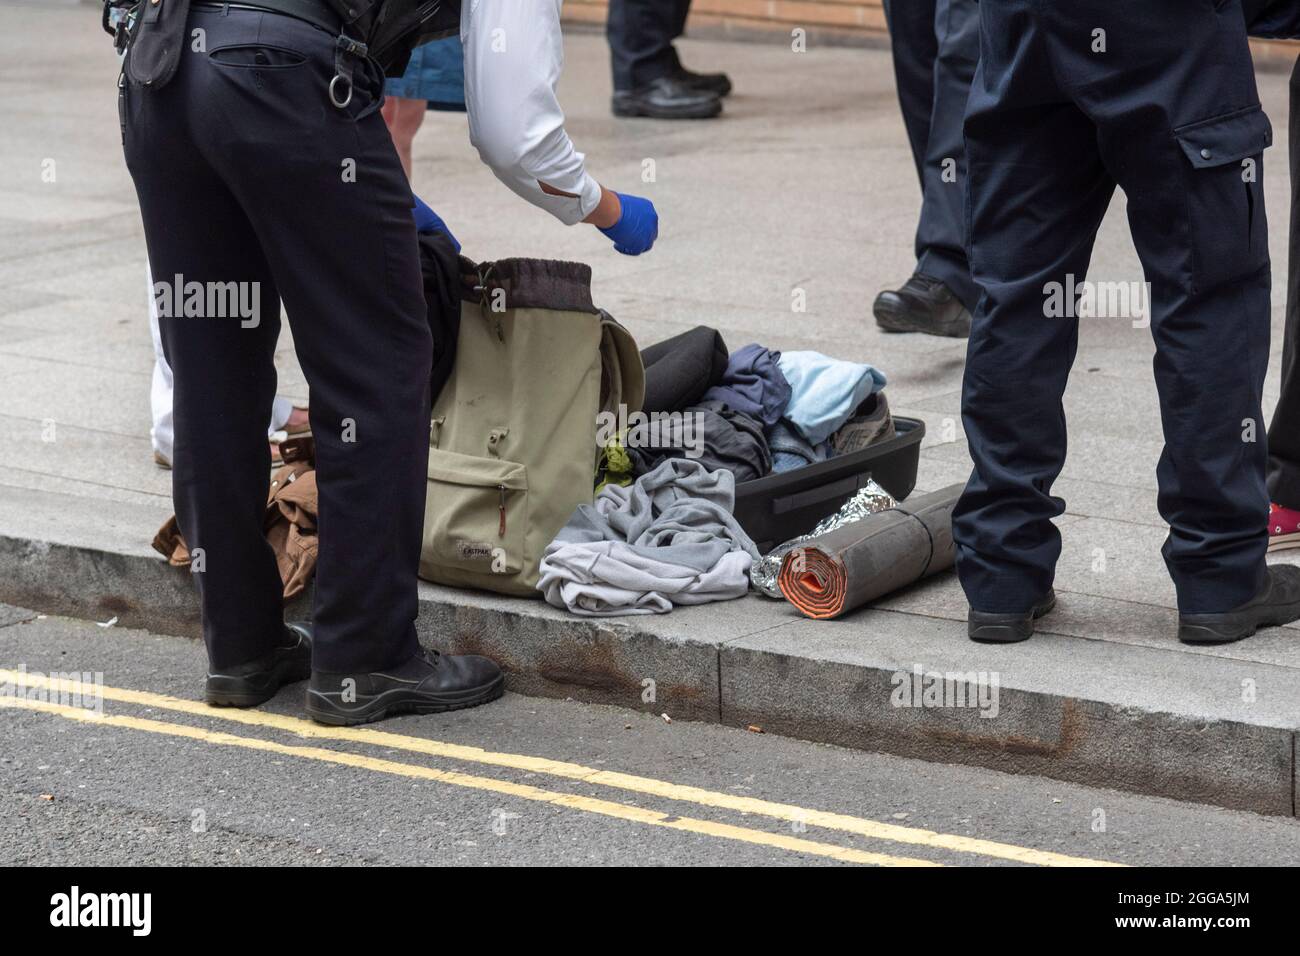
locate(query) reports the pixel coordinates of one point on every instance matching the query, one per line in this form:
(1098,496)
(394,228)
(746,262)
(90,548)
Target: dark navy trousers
(1284,430)
(1069,100)
(936,47)
(248,176)
(641,35)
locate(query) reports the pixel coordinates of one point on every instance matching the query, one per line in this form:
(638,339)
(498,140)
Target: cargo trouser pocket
(476,513)
(1225,196)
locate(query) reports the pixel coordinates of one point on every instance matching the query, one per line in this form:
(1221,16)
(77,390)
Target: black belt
(316,12)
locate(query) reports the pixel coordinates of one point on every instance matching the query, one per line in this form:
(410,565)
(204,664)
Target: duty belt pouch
(156,42)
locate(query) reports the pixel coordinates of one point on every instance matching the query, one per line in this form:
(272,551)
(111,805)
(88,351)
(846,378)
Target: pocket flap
(1226,139)
(457,469)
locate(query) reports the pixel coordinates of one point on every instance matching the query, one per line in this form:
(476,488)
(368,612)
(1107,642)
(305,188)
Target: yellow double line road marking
(572,801)
(647,786)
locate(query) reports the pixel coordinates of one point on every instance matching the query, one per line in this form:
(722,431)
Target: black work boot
(427,683)
(719,84)
(1277,603)
(256,682)
(923,304)
(990,628)
(667,98)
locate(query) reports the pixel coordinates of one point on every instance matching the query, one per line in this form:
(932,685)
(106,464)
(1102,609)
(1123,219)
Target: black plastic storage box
(778,507)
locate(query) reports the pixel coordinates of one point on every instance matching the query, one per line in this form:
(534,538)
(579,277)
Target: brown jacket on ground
(290,520)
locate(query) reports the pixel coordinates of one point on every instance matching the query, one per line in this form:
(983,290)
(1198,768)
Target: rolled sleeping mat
(854,564)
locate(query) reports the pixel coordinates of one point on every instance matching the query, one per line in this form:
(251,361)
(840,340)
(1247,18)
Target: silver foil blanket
(867,500)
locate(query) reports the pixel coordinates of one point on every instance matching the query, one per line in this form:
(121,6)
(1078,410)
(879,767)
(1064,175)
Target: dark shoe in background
(1007,628)
(1277,604)
(923,304)
(719,84)
(427,683)
(667,98)
(258,681)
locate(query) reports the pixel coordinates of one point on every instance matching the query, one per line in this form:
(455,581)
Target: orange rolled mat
(854,564)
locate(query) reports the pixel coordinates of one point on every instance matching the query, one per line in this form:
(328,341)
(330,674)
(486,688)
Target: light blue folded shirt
(825,392)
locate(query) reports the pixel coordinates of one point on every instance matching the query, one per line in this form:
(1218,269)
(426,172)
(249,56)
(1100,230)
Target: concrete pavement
(805,186)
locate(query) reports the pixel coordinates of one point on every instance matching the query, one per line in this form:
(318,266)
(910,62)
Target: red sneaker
(1283,528)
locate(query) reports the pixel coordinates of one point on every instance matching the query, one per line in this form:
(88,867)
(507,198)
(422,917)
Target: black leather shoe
(427,683)
(719,84)
(1276,604)
(667,98)
(923,304)
(258,681)
(1007,628)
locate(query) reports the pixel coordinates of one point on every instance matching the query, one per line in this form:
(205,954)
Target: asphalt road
(155,777)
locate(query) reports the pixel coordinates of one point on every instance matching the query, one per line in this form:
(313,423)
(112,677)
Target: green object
(513,441)
(615,465)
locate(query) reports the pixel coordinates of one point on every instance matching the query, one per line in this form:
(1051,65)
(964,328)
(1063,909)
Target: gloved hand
(637,228)
(426,220)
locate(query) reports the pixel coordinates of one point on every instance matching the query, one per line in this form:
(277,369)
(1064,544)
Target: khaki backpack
(512,443)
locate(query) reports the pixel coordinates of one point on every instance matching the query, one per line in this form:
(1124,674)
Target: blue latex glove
(637,227)
(426,220)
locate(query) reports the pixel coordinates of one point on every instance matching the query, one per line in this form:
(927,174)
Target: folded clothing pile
(668,539)
(661,531)
(711,433)
(679,370)
(825,392)
(755,411)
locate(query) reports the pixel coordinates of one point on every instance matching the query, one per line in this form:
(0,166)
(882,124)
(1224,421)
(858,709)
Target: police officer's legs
(941,232)
(223,373)
(1177,124)
(1180,127)
(330,205)
(325,200)
(649,79)
(915,47)
(1284,430)
(936,49)
(641,35)
(1037,194)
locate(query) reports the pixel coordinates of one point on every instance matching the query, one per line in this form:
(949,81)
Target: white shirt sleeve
(514,54)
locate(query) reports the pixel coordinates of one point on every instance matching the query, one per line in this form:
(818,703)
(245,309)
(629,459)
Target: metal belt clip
(346,47)
(116,21)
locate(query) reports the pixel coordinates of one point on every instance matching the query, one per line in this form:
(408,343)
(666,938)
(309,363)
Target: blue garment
(825,391)
(426,220)
(790,450)
(435,73)
(753,384)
